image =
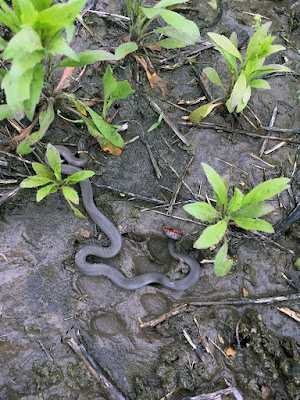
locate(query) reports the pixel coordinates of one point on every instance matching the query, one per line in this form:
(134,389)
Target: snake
(110,230)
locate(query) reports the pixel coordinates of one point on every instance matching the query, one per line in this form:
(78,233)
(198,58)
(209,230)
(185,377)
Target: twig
(293,314)
(271,124)
(167,120)
(179,218)
(175,194)
(138,196)
(293,217)
(163,317)
(109,391)
(9,195)
(205,90)
(240,131)
(276,147)
(213,395)
(45,351)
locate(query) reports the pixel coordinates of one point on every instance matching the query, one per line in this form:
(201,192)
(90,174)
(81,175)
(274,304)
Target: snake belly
(111,231)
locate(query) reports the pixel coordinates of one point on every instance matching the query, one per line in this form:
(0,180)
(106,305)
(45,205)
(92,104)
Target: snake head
(173,234)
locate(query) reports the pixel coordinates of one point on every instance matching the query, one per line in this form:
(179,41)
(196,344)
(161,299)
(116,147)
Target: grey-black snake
(101,269)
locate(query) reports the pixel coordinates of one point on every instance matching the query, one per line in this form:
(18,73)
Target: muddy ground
(45,301)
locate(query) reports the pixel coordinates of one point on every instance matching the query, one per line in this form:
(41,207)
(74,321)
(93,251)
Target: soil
(45,300)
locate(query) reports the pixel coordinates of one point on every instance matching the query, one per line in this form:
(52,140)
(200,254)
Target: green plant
(243,210)
(245,77)
(51,177)
(179,32)
(106,134)
(37,28)
(297,263)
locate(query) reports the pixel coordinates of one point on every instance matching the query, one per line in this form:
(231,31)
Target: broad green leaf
(56,17)
(28,14)
(105,144)
(267,69)
(70,194)
(10,13)
(41,5)
(259,83)
(265,45)
(23,43)
(36,87)
(222,263)
(3,44)
(256,40)
(202,211)
(79,176)
(217,184)
(76,211)
(5,112)
(168,3)
(244,101)
(265,190)
(224,43)
(274,48)
(43,170)
(253,211)
(182,24)
(211,235)
(236,200)
(8,21)
(44,191)
(213,4)
(213,76)
(238,90)
(69,31)
(150,12)
(106,130)
(35,181)
(255,224)
(58,45)
(172,43)
(202,112)
(109,83)
(234,40)
(87,57)
(54,160)
(122,90)
(297,263)
(124,49)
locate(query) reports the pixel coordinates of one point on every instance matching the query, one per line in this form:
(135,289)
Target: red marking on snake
(172,233)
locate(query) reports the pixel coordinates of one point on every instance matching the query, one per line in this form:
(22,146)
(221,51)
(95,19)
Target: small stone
(84,233)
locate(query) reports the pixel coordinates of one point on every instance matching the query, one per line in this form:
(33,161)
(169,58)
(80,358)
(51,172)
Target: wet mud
(45,301)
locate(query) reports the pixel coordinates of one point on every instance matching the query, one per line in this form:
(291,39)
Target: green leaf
(265,190)
(244,101)
(213,76)
(109,83)
(230,61)
(56,17)
(8,21)
(44,191)
(255,224)
(43,170)
(36,87)
(179,22)
(79,176)
(157,123)
(267,69)
(54,160)
(203,111)
(253,211)
(256,40)
(259,83)
(236,201)
(46,118)
(3,44)
(238,90)
(234,40)
(5,112)
(28,13)
(87,57)
(58,45)
(41,5)
(106,130)
(69,31)
(23,43)
(202,211)
(224,43)
(273,49)
(222,263)
(124,49)
(179,37)
(211,235)
(122,90)
(34,181)
(171,43)
(76,211)
(297,263)
(70,194)
(168,3)
(217,184)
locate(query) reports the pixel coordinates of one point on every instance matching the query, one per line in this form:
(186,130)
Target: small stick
(197,349)
(9,195)
(163,317)
(45,351)
(276,147)
(262,161)
(138,196)
(179,218)
(271,124)
(175,194)
(205,90)
(213,395)
(109,391)
(293,314)
(167,121)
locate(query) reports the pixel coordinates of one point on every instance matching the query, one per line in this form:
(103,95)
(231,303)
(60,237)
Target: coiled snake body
(97,269)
